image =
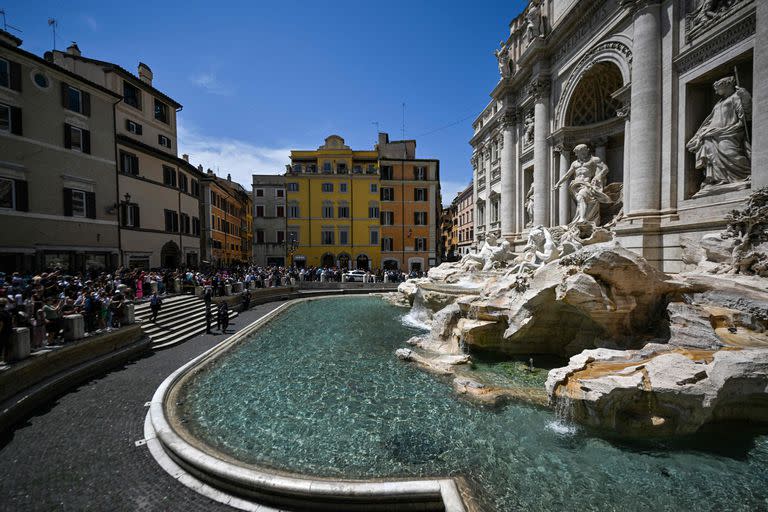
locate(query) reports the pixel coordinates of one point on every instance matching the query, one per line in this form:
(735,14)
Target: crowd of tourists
(41,301)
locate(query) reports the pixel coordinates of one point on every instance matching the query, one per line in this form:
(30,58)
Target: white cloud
(449,189)
(92,23)
(211,84)
(231,156)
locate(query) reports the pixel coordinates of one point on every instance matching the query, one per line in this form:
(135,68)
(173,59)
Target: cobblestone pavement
(78,453)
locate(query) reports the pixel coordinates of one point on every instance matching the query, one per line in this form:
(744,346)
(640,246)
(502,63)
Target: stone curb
(278,488)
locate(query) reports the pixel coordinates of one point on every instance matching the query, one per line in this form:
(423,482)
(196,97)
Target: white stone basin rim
(287,490)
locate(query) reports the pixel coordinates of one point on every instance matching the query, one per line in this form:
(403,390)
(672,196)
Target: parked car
(355,275)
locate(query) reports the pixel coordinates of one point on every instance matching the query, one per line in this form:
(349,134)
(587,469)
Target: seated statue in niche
(529,125)
(721,144)
(586,188)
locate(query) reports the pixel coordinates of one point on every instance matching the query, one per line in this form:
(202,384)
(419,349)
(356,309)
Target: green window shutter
(16,128)
(64,95)
(68,202)
(86,103)
(136,218)
(67,136)
(15,75)
(22,196)
(86,141)
(90,205)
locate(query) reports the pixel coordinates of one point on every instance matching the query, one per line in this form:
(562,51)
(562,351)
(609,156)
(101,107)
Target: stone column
(539,89)
(564,199)
(508,174)
(760,100)
(645,175)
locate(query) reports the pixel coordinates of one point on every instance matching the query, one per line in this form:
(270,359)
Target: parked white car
(355,275)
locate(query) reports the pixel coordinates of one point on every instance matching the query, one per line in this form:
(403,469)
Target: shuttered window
(75,99)
(77,138)
(10,74)
(79,203)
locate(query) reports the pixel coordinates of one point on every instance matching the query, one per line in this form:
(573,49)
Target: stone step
(180,336)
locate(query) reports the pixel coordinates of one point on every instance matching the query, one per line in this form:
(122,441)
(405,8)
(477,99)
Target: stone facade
(633,80)
(271,237)
(465,214)
(58,199)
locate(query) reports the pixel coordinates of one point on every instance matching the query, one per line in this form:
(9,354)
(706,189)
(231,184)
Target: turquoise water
(319,391)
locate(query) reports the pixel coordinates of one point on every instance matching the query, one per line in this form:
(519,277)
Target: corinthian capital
(508,119)
(539,88)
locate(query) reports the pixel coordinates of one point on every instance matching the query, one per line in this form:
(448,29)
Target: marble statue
(529,207)
(502,55)
(491,254)
(533,21)
(540,250)
(588,174)
(529,127)
(721,144)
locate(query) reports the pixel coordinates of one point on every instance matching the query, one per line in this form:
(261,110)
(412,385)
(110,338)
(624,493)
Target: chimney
(74,50)
(185,157)
(383,138)
(9,39)
(145,74)
(229,177)
(200,168)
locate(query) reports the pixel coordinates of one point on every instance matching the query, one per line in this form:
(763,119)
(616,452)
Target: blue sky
(258,79)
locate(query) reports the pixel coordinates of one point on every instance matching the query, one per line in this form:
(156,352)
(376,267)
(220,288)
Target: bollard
(386,278)
(177,285)
(343,278)
(74,327)
(237,287)
(227,289)
(129,313)
(293,281)
(20,345)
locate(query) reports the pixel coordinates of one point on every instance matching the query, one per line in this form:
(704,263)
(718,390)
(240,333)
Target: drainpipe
(117,184)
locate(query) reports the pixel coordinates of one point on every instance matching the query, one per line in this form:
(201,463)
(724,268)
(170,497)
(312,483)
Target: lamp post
(291,246)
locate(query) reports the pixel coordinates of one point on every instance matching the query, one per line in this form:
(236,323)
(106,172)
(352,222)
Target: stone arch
(391,264)
(592,100)
(363,262)
(344,260)
(170,255)
(613,52)
(328,260)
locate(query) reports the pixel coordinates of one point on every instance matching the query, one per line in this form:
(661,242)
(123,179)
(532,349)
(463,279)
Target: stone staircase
(182,317)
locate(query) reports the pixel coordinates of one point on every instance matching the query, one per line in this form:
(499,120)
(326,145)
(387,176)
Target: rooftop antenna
(53,24)
(403,120)
(6,26)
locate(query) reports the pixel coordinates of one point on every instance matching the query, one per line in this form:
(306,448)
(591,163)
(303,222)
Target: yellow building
(333,206)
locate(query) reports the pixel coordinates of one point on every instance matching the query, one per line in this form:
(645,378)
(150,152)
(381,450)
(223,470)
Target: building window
(7,196)
(77,139)
(420,218)
(259,192)
(133,127)
(480,214)
(374,237)
(185,224)
(14,194)
(387,194)
(386,172)
(421,244)
(195,226)
(259,236)
(129,215)
(296,168)
(293,186)
(79,208)
(182,181)
(279,192)
(371,169)
(293,212)
(327,211)
(341,168)
(164,141)
(259,210)
(327,166)
(342,187)
(169,176)
(419,194)
(171,221)
(75,100)
(293,235)
(280,236)
(374,188)
(280,211)
(373,212)
(161,111)
(494,211)
(327,187)
(343,237)
(326,237)
(357,169)
(343,212)
(10,119)
(387,218)
(195,188)
(387,244)
(129,164)
(312,168)
(420,173)
(5,73)
(131,95)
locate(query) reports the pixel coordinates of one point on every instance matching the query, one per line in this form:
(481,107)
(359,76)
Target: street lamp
(291,245)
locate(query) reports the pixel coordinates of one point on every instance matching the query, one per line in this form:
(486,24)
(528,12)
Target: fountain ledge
(222,479)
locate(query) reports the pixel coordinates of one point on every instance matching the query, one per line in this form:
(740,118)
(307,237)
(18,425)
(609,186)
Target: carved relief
(539,88)
(705,14)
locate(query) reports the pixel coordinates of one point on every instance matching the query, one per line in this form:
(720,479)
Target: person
(246,300)
(224,316)
(155,303)
(6,328)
